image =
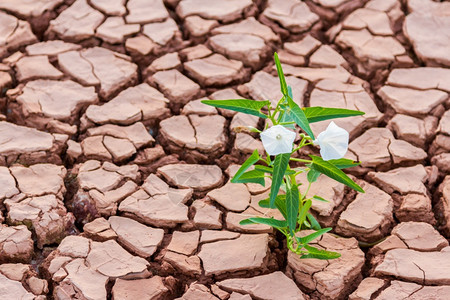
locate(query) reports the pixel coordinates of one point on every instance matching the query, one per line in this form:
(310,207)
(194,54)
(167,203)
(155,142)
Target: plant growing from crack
(279,142)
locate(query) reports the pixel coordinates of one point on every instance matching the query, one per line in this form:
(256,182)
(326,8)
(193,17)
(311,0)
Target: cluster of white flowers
(333,141)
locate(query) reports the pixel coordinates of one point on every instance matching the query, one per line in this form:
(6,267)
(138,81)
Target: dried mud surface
(114,177)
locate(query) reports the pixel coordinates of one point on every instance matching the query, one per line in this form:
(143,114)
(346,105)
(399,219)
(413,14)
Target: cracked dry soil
(114,178)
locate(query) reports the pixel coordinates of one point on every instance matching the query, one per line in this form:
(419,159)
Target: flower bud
(247,129)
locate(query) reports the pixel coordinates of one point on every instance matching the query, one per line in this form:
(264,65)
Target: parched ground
(114,178)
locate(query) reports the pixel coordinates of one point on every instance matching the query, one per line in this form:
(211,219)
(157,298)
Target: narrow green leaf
(252,176)
(264,169)
(307,239)
(344,163)
(270,170)
(265,203)
(312,175)
(292,206)
(318,113)
(333,172)
(283,85)
(280,204)
(279,224)
(320,198)
(313,222)
(247,106)
(319,253)
(279,168)
(251,160)
(296,113)
(246,222)
(304,211)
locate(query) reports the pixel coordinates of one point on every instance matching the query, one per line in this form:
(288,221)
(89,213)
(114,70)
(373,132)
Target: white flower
(333,142)
(277,139)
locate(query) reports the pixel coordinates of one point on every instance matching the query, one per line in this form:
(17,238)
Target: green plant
(279,142)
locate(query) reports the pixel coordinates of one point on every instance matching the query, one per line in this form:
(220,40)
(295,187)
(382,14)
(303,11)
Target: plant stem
(301,171)
(274,113)
(270,115)
(307,190)
(280,117)
(301,160)
(286,123)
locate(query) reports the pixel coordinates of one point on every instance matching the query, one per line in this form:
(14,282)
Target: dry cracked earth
(114,178)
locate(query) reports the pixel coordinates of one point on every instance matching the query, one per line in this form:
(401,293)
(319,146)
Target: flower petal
(277,139)
(333,142)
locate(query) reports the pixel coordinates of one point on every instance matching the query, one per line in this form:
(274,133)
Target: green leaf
(252,176)
(307,239)
(290,92)
(314,224)
(280,204)
(247,106)
(296,113)
(286,118)
(265,203)
(279,168)
(292,205)
(264,169)
(344,163)
(251,160)
(320,198)
(279,224)
(318,113)
(283,85)
(304,211)
(270,170)
(312,175)
(333,172)
(319,253)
